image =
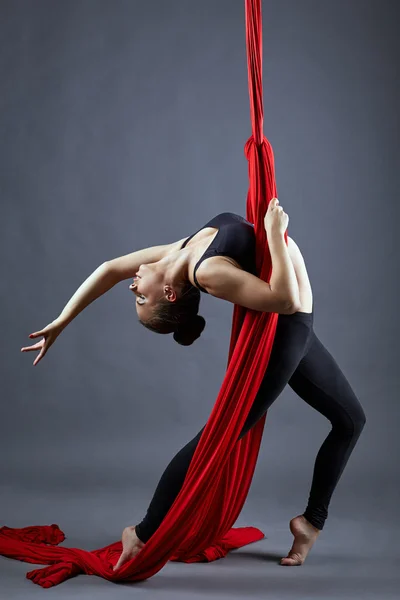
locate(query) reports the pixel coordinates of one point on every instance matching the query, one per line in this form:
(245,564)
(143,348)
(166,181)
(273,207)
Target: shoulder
(211,271)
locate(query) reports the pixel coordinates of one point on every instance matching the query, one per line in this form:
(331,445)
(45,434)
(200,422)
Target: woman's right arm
(106,276)
(97,284)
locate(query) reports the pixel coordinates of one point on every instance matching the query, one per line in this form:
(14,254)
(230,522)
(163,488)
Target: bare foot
(305,535)
(131,546)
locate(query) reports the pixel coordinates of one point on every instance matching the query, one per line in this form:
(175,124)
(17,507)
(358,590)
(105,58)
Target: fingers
(38,346)
(33,347)
(39,356)
(273,203)
(36,334)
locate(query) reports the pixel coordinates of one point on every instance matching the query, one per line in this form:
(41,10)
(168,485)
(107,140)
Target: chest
(234,254)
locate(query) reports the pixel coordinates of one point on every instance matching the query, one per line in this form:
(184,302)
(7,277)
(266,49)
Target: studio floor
(353,557)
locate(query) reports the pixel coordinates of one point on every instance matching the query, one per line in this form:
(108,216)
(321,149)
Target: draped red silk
(198,526)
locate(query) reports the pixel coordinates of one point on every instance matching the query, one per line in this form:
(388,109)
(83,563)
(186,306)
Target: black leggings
(301,360)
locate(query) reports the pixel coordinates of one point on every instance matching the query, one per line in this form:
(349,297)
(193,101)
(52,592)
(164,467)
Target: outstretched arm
(125,267)
(97,284)
(94,286)
(106,276)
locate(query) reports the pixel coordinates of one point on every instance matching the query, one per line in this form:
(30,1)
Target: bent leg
(319,381)
(291,341)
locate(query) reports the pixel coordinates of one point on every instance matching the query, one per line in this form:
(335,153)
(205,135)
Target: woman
(219,259)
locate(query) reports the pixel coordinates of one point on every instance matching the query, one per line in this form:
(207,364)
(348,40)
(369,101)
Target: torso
(205,237)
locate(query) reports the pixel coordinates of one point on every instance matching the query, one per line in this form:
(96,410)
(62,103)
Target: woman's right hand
(275,220)
(50,334)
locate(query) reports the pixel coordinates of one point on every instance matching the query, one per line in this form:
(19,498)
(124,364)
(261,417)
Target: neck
(178,263)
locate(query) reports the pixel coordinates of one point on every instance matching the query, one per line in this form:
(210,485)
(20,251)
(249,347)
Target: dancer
(219,259)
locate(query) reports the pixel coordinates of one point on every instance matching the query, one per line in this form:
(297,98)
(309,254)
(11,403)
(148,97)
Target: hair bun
(188,332)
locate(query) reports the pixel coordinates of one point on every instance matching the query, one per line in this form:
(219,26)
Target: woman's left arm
(297,259)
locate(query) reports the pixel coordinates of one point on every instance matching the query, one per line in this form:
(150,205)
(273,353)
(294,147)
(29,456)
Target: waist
(298,316)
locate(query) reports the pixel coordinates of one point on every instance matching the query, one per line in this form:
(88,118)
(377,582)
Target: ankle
(132,530)
(315,529)
(140,543)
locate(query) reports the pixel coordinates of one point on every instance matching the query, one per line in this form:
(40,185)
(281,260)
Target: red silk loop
(199,524)
(252,142)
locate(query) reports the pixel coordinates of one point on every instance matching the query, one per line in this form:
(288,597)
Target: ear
(170,293)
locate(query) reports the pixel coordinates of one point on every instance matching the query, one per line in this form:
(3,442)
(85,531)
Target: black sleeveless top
(235,238)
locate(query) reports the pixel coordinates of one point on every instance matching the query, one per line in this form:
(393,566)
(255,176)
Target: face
(148,286)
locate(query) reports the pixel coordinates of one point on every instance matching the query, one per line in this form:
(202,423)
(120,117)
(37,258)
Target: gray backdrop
(122,126)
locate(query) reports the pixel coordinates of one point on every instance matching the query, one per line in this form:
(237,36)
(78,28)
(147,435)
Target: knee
(359,420)
(352,422)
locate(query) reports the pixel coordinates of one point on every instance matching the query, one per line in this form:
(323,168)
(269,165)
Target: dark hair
(179,317)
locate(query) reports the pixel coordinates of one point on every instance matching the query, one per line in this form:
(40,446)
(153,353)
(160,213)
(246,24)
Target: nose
(135,279)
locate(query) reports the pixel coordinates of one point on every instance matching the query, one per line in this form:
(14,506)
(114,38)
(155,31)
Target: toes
(291,561)
(122,560)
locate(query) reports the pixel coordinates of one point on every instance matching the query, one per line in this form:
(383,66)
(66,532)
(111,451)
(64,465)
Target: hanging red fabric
(198,526)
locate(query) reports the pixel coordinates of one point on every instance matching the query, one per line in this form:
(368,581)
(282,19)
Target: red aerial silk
(198,526)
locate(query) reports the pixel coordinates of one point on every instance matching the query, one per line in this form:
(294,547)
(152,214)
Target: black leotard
(235,238)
